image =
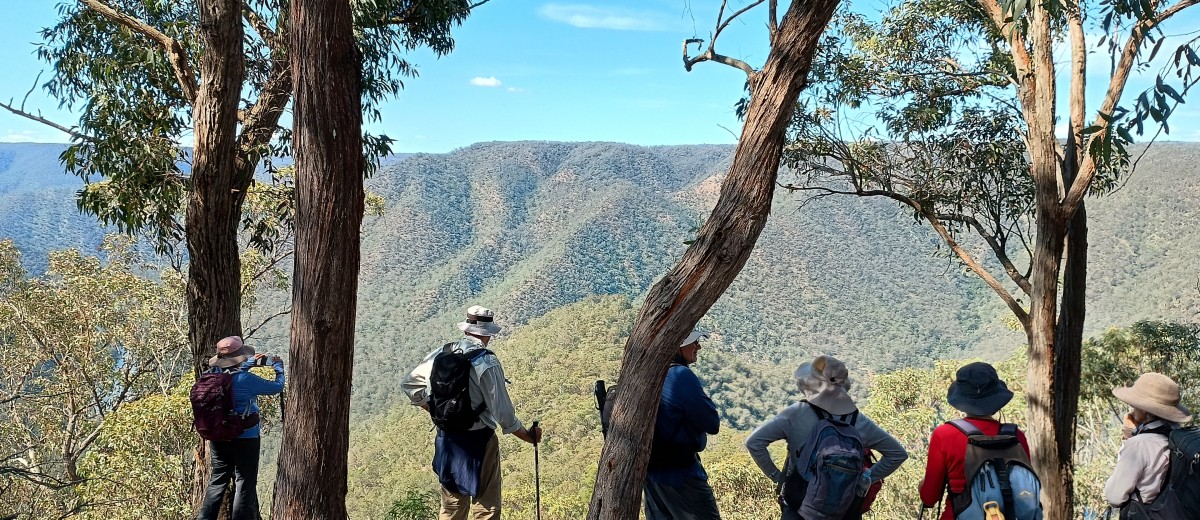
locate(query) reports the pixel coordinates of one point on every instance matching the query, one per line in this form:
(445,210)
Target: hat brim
(834,400)
(232,360)
(1132,397)
(983,406)
(693,337)
(479,329)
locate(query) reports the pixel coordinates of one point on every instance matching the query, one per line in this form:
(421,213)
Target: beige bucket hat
(1156,394)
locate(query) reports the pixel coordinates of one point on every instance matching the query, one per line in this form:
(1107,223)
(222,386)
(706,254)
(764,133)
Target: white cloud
(490,81)
(515,89)
(597,17)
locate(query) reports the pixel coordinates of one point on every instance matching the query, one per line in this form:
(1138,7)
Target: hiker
(237,459)
(824,383)
(979,393)
(1143,461)
(466,453)
(676,485)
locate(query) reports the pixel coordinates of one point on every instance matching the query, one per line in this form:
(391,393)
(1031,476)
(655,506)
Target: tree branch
(69,131)
(997,249)
(1116,87)
(266,321)
(175,51)
(946,236)
(1016,41)
(709,55)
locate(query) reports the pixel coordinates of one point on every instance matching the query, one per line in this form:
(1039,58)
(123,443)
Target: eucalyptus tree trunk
(1053,372)
(709,266)
(214,210)
(311,482)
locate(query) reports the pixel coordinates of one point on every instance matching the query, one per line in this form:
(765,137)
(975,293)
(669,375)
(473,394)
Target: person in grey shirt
(468,463)
(1144,461)
(824,383)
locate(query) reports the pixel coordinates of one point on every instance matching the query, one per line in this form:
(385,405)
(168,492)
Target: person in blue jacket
(676,484)
(237,460)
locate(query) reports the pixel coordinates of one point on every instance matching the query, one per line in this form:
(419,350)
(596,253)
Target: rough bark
(214,209)
(311,482)
(681,298)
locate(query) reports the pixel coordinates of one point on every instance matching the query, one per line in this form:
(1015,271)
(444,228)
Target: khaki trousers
(484,506)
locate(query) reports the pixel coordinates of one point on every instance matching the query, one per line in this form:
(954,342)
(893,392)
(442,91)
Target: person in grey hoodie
(824,383)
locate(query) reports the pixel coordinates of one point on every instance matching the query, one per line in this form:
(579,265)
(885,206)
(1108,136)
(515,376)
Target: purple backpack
(826,472)
(212,408)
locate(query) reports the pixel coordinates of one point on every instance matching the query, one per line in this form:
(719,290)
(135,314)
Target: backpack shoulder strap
(853,418)
(477,353)
(821,413)
(966,427)
(1008,429)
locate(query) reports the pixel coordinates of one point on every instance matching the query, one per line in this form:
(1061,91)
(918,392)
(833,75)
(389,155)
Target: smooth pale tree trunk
(213,211)
(311,482)
(725,241)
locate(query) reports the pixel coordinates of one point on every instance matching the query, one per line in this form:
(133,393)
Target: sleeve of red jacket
(935,471)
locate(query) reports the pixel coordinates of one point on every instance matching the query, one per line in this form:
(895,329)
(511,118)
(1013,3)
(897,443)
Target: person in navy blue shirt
(237,460)
(676,484)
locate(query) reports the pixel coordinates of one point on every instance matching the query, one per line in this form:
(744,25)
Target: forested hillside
(528,227)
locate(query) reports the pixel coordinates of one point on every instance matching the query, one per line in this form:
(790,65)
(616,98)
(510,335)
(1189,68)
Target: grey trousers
(692,500)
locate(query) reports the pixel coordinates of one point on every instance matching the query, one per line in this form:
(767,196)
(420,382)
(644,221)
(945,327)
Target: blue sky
(566,71)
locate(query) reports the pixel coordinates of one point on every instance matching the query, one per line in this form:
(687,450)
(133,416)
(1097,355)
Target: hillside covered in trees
(527,227)
(563,239)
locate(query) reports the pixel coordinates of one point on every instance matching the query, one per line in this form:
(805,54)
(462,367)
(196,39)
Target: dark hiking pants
(691,500)
(237,461)
(855,512)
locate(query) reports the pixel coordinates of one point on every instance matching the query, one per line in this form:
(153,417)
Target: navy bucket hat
(978,390)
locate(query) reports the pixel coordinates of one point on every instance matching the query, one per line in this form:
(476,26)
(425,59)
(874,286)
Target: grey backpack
(824,481)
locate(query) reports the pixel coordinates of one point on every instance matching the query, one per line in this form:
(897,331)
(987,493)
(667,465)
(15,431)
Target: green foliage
(77,346)
(1120,355)
(416,505)
(140,465)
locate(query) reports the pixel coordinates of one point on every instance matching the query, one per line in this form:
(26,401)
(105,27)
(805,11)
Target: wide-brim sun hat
(479,322)
(977,390)
(1157,395)
(236,358)
(828,379)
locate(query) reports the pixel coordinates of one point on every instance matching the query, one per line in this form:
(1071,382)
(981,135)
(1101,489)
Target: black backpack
(1180,495)
(450,390)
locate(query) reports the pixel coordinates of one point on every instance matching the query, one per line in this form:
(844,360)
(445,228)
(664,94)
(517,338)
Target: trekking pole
(537,482)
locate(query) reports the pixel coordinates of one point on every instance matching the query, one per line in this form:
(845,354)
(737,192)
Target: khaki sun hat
(1156,394)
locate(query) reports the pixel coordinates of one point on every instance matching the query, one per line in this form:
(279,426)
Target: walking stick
(537,481)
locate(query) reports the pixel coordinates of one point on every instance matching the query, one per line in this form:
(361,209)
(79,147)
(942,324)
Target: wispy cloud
(515,89)
(490,81)
(601,17)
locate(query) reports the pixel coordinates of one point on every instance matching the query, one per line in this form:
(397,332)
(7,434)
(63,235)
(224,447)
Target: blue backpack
(823,482)
(999,477)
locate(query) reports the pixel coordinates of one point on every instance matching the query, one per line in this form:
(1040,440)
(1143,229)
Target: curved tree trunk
(311,482)
(214,210)
(681,298)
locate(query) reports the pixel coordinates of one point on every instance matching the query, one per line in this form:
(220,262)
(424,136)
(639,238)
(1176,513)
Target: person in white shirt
(1143,461)
(468,462)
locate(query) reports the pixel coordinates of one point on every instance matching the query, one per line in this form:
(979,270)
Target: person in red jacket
(979,393)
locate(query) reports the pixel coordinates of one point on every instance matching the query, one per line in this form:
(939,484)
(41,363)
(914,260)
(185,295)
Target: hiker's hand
(532,436)
(1127,426)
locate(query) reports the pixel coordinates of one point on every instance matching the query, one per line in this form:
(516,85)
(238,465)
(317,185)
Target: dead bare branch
(71,131)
